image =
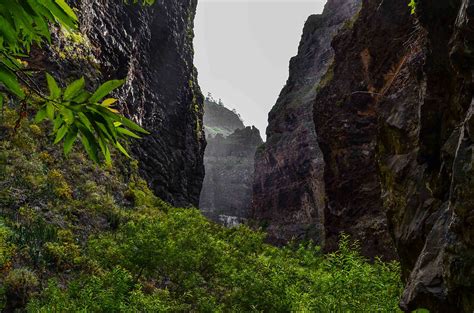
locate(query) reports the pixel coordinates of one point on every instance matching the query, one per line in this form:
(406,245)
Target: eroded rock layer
(289,196)
(152,47)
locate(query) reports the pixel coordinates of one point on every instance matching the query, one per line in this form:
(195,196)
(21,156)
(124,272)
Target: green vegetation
(178,261)
(80,237)
(412,6)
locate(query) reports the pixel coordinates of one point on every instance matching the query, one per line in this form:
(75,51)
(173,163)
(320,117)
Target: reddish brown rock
(288,187)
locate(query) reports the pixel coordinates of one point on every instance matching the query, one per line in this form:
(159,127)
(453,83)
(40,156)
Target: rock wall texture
(367,55)
(426,146)
(394,125)
(152,47)
(229,162)
(289,197)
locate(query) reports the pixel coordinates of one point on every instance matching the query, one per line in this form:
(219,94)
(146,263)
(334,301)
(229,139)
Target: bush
(65,253)
(114,291)
(209,268)
(19,286)
(6,246)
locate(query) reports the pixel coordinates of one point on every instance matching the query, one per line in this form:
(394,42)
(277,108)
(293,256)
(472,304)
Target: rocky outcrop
(289,189)
(220,120)
(394,125)
(152,47)
(229,162)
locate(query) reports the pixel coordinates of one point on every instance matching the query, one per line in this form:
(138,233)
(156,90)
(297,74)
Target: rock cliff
(220,120)
(289,189)
(394,125)
(345,116)
(229,162)
(152,47)
(388,151)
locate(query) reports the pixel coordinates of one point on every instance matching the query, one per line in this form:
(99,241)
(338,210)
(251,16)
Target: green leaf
(41,115)
(61,133)
(66,8)
(58,122)
(8,79)
(70,139)
(118,118)
(68,115)
(89,143)
(74,89)
(103,131)
(105,151)
(122,149)
(85,121)
(108,158)
(50,110)
(82,97)
(127,132)
(8,31)
(90,151)
(59,13)
(126,122)
(54,90)
(105,89)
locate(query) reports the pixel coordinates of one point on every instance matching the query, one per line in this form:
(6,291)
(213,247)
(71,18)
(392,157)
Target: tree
(75,112)
(210,98)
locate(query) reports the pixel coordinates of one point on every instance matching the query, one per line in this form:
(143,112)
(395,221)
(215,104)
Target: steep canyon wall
(289,197)
(152,46)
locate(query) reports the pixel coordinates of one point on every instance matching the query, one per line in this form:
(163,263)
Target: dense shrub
(179,261)
(18,286)
(6,246)
(114,291)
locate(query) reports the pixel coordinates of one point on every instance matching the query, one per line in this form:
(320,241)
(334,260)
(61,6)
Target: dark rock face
(289,190)
(152,47)
(395,128)
(345,115)
(427,161)
(229,162)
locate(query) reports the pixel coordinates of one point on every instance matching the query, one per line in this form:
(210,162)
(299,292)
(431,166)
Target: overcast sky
(243,48)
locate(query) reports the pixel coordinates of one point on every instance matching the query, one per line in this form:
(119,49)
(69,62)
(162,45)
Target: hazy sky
(243,48)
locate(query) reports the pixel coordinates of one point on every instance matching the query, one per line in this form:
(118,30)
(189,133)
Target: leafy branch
(74,112)
(87,116)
